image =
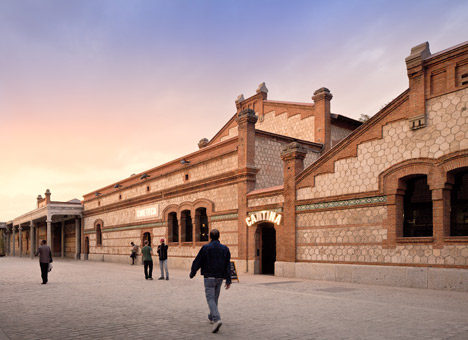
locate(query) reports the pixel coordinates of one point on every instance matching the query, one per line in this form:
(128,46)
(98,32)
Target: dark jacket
(214,259)
(162,252)
(45,255)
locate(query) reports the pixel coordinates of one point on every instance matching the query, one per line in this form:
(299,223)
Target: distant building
(57,222)
(299,191)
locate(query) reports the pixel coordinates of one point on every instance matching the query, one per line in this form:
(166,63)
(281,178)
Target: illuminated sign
(263,216)
(151,211)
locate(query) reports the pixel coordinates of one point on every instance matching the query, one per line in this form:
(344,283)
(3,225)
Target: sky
(92,91)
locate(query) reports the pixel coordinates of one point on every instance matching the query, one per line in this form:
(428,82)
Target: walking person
(162,252)
(147,253)
(45,258)
(134,252)
(214,260)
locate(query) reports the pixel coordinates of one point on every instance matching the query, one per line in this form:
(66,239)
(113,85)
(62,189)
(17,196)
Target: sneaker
(216,326)
(167,278)
(150,278)
(161,278)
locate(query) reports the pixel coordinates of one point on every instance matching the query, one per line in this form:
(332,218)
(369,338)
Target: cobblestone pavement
(96,300)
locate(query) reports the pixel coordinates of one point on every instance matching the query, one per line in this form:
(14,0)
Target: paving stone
(95,300)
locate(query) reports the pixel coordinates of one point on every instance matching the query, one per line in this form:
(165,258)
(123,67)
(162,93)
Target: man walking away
(162,252)
(134,252)
(45,257)
(214,260)
(146,252)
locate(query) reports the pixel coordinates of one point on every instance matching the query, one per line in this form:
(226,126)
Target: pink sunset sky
(94,91)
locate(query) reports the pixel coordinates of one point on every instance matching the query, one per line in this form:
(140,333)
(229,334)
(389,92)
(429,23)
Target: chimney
(416,75)
(322,98)
(47,196)
(39,200)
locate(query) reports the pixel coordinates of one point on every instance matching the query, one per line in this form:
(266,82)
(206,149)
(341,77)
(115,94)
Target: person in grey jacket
(45,257)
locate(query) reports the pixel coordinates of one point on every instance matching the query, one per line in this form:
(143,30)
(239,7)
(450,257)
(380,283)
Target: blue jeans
(162,266)
(212,289)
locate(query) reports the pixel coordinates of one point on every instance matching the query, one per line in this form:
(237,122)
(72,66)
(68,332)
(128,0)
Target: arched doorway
(265,239)
(146,237)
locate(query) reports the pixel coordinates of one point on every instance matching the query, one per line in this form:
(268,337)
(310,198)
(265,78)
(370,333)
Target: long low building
(298,191)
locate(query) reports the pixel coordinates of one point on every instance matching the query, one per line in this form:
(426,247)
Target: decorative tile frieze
(344,203)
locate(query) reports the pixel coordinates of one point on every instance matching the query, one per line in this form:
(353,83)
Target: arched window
(459,204)
(187,226)
(417,220)
(98,235)
(173,227)
(201,225)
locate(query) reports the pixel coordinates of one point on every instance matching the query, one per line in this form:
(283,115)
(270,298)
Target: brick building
(299,191)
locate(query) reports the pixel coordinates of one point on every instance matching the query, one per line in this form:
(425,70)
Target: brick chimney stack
(39,200)
(416,75)
(322,98)
(47,196)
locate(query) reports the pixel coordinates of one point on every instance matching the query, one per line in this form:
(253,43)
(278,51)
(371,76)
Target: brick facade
(336,187)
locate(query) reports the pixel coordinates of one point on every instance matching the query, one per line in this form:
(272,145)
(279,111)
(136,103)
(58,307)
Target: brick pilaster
(246,120)
(293,163)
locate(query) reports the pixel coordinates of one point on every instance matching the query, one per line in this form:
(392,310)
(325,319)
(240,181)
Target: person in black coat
(214,259)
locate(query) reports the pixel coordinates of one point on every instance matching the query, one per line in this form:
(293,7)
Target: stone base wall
(397,276)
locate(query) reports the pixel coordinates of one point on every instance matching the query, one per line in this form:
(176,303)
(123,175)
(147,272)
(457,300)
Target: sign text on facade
(263,216)
(152,211)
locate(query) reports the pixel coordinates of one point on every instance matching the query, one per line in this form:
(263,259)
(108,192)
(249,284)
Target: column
(32,237)
(6,240)
(180,228)
(77,238)
(20,240)
(83,249)
(62,240)
(49,235)
(14,240)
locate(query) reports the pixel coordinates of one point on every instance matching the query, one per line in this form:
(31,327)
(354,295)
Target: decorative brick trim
(229,178)
(345,203)
(371,130)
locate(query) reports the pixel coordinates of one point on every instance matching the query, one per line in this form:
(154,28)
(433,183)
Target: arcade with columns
(59,223)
